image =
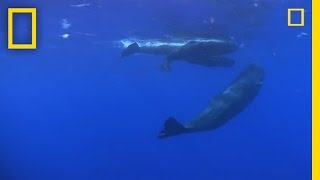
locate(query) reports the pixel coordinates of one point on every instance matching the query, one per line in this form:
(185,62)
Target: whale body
(205,52)
(223,107)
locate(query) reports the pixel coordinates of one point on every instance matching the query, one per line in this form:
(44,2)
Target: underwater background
(74,109)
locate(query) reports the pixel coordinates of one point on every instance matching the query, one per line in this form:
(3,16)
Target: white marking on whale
(124,43)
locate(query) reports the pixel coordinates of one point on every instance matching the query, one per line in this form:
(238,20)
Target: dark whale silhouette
(200,52)
(223,107)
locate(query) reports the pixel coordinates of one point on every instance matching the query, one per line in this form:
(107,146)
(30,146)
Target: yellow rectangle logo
(290,10)
(33,12)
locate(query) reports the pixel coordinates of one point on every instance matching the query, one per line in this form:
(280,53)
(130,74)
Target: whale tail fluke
(131,49)
(172,127)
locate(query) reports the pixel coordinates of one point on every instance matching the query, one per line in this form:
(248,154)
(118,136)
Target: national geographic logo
(33,12)
(300,11)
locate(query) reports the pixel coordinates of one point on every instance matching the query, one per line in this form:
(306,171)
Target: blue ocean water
(73,109)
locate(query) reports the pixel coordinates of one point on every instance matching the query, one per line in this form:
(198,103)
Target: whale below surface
(175,42)
(205,52)
(169,46)
(223,107)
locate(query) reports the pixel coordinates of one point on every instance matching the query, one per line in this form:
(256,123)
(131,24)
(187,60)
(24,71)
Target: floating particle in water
(302,34)
(80,5)
(65,24)
(85,34)
(65,36)
(212,20)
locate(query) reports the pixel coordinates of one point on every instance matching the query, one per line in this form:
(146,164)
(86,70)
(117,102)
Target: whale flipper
(131,49)
(165,66)
(172,127)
